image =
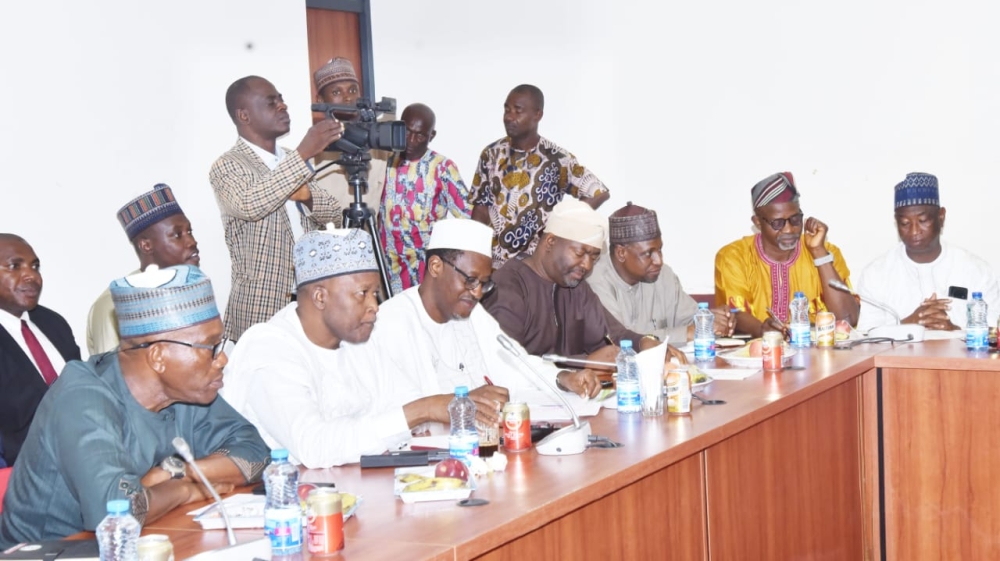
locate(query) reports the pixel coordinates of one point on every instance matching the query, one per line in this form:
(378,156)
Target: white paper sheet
(730,373)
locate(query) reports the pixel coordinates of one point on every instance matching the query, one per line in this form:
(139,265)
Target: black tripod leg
(383,270)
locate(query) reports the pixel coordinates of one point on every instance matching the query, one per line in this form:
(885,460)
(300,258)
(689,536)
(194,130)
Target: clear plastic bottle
(118,533)
(977,330)
(704,333)
(798,321)
(628,380)
(282,508)
(463,440)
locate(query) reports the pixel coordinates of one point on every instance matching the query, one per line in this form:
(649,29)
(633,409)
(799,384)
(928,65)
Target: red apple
(755,350)
(843,330)
(452,467)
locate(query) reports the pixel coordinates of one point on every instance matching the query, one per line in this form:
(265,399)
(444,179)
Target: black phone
(958,292)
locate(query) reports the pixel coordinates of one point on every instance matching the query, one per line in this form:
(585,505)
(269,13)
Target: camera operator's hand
(319,136)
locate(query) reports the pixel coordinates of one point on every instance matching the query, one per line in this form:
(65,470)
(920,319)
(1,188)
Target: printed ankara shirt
(416,195)
(521,187)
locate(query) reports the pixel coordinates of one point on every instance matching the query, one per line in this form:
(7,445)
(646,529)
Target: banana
(434,484)
(411,477)
(347,502)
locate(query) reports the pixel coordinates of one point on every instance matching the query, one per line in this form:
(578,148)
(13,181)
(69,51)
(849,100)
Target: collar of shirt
(12,324)
(270,160)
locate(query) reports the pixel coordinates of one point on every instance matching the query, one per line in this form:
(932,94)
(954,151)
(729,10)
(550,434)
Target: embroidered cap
(918,189)
(159,300)
(632,223)
(148,209)
(325,254)
(775,188)
(335,70)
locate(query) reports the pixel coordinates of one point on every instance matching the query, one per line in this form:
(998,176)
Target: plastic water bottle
(977,330)
(463,441)
(798,321)
(628,380)
(118,533)
(704,333)
(282,509)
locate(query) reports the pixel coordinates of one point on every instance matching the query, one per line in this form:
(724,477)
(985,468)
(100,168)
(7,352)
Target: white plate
(245,511)
(422,496)
(787,352)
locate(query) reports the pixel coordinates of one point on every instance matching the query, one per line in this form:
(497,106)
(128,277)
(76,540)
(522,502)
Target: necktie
(41,359)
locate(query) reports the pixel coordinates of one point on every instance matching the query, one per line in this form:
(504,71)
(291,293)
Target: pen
(607,337)
(770,313)
(488,381)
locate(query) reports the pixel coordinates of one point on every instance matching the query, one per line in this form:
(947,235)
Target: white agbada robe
(895,280)
(433,358)
(322,405)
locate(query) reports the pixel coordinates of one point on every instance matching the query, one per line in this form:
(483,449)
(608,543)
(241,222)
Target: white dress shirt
(12,324)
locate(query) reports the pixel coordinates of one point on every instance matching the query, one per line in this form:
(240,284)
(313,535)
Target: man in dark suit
(35,343)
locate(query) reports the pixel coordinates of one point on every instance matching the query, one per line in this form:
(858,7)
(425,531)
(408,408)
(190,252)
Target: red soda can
(516,427)
(771,350)
(326,521)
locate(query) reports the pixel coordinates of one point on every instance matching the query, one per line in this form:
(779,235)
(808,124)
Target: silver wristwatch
(174,466)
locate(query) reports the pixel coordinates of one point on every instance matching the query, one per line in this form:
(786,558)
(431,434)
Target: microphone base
(898,332)
(565,441)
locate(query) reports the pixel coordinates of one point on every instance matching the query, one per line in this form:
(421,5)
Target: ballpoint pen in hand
(774,317)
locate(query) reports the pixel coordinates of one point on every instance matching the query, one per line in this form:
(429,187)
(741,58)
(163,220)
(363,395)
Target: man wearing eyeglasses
(104,430)
(761,272)
(438,337)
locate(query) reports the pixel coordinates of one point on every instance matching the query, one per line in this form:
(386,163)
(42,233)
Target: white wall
(681,108)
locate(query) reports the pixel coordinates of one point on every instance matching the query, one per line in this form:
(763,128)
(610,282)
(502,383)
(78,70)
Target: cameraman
(337,83)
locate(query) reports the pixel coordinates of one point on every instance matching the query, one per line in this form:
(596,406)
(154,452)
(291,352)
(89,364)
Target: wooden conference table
(875,453)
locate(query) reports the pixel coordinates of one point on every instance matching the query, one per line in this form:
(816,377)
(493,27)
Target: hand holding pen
(772,323)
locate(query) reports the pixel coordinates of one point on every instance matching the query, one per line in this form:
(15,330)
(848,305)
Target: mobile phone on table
(958,292)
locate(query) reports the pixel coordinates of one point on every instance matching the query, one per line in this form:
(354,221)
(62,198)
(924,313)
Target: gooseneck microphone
(184,450)
(900,332)
(552,357)
(567,440)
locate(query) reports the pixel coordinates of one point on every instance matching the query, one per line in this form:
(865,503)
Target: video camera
(366,133)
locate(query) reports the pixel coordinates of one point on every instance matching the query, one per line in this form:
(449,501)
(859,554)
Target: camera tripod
(358,215)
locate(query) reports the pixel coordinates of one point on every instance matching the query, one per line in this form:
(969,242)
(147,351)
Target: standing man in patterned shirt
(421,188)
(523,175)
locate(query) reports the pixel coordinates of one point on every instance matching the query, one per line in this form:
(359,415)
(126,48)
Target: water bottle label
(628,397)
(283,527)
(704,349)
(977,338)
(464,448)
(800,336)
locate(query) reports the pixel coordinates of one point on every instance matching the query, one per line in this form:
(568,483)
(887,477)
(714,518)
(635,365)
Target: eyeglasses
(778,224)
(471,282)
(216,348)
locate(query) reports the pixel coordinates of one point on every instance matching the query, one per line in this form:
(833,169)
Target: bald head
(420,122)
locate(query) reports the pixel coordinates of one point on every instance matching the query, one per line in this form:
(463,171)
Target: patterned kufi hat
(324,254)
(335,70)
(148,209)
(777,188)
(917,189)
(159,300)
(575,220)
(463,234)
(632,223)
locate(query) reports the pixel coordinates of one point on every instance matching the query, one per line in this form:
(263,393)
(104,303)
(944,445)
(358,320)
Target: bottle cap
(800,294)
(461,391)
(626,344)
(977,295)
(119,506)
(702,305)
(279,454)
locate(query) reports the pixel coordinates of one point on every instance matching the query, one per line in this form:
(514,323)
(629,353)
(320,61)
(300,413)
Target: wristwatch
(174,466)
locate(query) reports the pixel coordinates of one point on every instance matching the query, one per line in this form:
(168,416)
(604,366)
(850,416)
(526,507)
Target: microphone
(898,331)
(568,440)
(551,357)
(184,450)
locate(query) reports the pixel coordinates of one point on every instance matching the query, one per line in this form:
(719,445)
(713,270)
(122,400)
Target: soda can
(678,392)
(325,521)
(516,427)
(771,350)
(155,547)
(826,329)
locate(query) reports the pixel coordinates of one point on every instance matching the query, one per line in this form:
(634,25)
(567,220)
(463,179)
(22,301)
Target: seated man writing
(104,430)
(437,336)
(765,270)
(542,301)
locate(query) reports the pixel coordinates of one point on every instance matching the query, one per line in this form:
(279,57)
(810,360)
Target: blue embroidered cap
(148,209)
(917,189)
(322,254)
(159,300)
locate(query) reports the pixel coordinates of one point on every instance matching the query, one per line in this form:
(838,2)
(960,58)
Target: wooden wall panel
(665,509)
(331,34)
(942,445)
(790,487)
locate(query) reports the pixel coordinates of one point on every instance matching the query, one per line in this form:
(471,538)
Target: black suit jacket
(21,384)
